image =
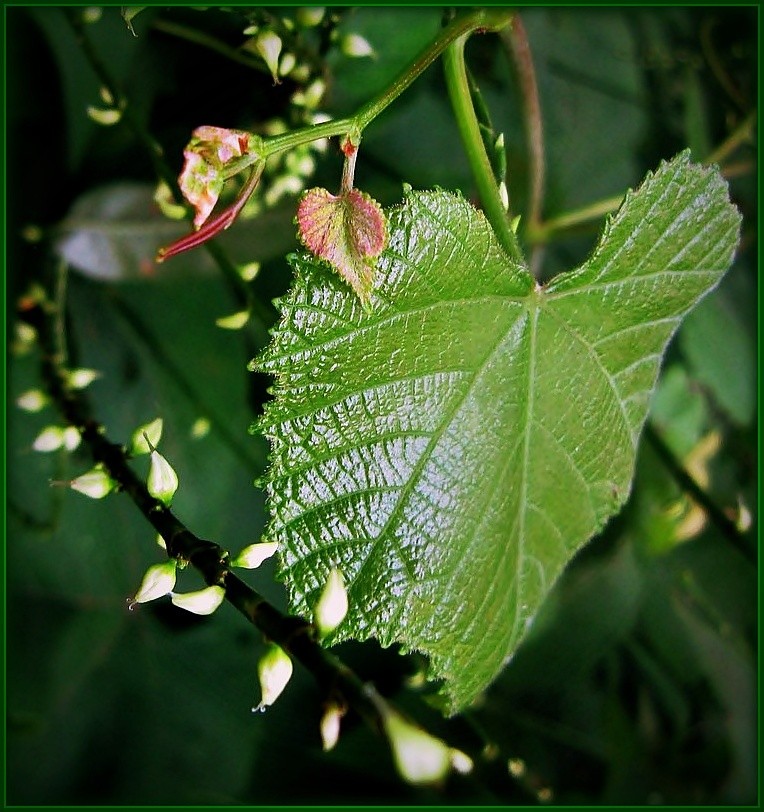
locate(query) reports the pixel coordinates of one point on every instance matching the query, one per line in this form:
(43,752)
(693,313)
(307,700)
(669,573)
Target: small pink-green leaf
(348,231)
(206,155)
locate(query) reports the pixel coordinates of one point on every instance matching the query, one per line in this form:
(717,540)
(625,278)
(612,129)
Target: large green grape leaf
(450,450)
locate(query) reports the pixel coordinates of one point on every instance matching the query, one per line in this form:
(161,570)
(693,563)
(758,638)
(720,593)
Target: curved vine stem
(459,91)
(515,40)
(485,19)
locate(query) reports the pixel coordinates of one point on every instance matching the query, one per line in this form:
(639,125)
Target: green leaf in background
(449,451)
(722,355)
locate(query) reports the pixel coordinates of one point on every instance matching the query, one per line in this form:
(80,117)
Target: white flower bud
(203,602)
(106,117)
(163,481)
(275,126)
(158,581)
(80,378)
(252,557)
(34,400)
(419,757)
(330,726)
(24,340)
(91,15)
(332,606)
(96,483)
(300,163)
(354,45)
(249,271)
(201,428)
(310,17)
(301,73)
(314,93)
(284,185)
(71,438)
(268,45)
(287,64)
(461,762)
(49,439)
(274,671)
(233,322)
(146,438)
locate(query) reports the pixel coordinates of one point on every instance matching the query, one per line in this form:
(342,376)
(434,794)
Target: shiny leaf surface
(449,451)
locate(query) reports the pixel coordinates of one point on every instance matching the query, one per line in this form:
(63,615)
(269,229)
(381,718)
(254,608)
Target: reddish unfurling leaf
(348,231)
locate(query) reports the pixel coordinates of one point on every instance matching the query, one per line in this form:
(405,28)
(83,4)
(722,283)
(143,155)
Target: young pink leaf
(207,153)
(348,231)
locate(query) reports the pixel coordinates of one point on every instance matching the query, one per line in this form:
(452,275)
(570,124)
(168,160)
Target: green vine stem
(544,231)
(485,19)
(458,88)
(515,39)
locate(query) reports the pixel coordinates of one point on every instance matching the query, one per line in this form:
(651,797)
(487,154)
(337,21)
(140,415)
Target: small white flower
(419,757)
(163,481)
(146,438)
(274,671)
(71,438)
(96,483)
(252,557)
(332,606)
(203,602)
(34,400)
(310,16)
(158,581)
(49,439)
(287,64)
(80,378)
(354,45)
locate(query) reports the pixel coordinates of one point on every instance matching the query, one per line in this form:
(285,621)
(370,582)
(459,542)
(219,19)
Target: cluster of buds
(290,45)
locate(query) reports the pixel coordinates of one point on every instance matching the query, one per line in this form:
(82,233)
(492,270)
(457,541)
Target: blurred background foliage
(637,683)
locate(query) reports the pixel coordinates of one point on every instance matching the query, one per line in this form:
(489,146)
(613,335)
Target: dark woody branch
(341,686)
(296,636)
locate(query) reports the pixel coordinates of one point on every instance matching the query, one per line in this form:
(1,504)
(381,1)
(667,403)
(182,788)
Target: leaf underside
(450,450)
